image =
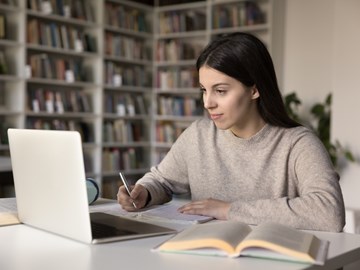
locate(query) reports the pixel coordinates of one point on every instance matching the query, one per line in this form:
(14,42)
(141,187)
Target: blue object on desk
(92,190)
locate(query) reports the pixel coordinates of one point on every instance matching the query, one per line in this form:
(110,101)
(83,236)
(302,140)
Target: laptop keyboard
(100,230)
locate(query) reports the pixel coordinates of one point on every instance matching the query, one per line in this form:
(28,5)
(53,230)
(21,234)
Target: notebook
(50,187)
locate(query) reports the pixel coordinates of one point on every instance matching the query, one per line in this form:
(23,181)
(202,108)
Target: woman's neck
(249,129)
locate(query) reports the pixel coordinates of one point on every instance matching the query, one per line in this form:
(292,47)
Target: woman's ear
(255,92)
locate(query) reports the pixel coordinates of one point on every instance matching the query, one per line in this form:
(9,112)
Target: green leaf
(349,156)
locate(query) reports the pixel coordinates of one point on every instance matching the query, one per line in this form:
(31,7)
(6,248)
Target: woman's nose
(209,101)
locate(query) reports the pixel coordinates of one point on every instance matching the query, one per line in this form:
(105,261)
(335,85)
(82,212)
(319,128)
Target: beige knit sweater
(282,175)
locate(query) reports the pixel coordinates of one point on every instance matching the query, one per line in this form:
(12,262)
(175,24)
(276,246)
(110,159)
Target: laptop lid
(50,187)
(49,181)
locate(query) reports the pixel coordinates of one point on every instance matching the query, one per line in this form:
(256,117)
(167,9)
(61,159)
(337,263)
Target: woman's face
(230,104)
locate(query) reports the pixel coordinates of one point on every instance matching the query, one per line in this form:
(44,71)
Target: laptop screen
(49,180)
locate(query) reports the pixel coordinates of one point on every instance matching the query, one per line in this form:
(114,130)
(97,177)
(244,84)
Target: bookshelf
(11,82)
(127,92)
(120,72)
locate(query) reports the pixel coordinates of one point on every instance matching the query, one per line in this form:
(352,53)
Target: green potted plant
(321,114)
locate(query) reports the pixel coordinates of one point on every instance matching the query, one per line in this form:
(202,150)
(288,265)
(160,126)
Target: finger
(191,209)
(192,205)
(136,191)
(194,211)
(124,199)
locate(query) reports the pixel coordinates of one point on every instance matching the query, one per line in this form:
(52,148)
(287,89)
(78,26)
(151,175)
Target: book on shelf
(59,36)
(237,14)
(3,63)
(125,17)
(165,132)
(234,239)
(49,66)
(125,104)
(171,78)
(2,96)
(4,126)
(8,2)
(128,158)
(130,75)
(127,47)
(181,21)
(85,129)
(76,9)
(2,26)
(51,101)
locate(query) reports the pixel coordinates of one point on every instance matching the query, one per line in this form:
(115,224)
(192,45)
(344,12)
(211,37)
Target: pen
(127,186)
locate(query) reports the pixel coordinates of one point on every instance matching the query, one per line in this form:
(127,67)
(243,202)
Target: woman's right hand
(138,196)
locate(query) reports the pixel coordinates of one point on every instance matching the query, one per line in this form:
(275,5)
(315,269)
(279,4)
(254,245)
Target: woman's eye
(203,90)
(221,92)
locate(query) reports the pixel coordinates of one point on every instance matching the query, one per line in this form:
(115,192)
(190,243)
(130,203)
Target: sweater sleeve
(170,176)
(319,204)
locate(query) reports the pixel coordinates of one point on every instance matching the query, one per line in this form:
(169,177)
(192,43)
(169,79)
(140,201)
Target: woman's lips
(215,116)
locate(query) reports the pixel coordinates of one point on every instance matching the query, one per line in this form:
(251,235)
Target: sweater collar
(256,138)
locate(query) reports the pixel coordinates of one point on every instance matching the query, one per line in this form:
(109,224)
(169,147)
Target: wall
(346,81)
(322,55)
(308,48)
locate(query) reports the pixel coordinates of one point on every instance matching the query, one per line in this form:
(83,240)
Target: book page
(111,207)
(224,235)
(283,236)
(292,244)
(169,212)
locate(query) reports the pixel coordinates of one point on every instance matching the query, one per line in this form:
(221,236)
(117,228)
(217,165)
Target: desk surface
(23,247)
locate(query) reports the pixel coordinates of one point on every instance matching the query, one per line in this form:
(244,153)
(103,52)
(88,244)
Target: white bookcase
(135,87)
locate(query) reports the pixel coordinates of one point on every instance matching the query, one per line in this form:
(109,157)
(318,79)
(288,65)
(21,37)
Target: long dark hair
(245,58)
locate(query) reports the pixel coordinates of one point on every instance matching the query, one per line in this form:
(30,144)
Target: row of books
(126,47)
(126,18)
(168,132)
(4,126)
(175,50)
(7,2)
(121,131)
(3,32)
(124,104)
(182,21)
(55,67)
(60,36)
(116,159)
(51,101)
(2,96)
(176,2)
(76,9)
(117,74)
(4,69)
(85,129)
(177,78)
(88,162)
(237,14)
(179,106)
(109,189)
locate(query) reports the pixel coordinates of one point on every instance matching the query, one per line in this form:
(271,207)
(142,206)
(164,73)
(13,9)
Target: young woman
(248,161)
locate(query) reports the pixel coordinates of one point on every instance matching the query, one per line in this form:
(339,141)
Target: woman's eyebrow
(216,85)
(220,84)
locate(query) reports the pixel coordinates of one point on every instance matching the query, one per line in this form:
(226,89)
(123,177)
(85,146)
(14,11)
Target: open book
(234,239)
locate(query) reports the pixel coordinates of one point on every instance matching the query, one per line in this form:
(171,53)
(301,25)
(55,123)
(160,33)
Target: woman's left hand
(209,207)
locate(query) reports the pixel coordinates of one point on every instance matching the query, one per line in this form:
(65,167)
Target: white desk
(23,247)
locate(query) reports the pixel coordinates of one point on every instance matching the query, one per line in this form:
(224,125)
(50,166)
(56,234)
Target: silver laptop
(50,187)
